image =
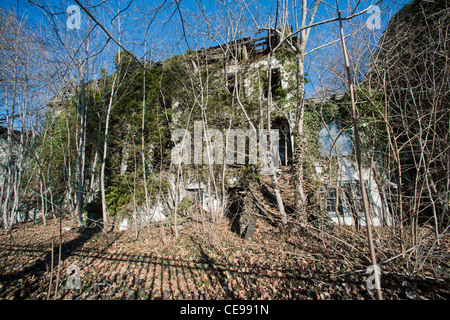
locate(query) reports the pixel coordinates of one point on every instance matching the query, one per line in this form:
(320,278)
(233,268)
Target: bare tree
(413,77)
(20,70)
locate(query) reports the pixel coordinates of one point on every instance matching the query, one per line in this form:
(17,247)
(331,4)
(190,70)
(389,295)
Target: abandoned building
(244,77)
(242,63)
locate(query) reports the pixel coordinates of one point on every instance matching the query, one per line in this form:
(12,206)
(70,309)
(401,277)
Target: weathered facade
(342,203)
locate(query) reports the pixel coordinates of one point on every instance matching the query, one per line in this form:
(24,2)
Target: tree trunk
(105,152)
(81,155)
(276,187)
(299,143)
(360,167)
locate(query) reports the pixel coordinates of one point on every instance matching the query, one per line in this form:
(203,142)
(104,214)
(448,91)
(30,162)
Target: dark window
(231,84)
(331,201)
(328,201)
(275,83)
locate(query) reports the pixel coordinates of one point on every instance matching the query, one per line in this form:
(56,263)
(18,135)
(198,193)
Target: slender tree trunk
(276,187)
(96,155)
(144,165)
(69,170)
(299,143)
(82,138)
(80,160)
(360,166)
(6,198)
(105,152)
(298,131)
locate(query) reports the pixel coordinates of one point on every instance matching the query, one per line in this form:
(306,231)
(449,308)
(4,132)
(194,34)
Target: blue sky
(165,36)
(261,11)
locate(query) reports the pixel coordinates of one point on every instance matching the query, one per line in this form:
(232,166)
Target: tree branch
(107,32)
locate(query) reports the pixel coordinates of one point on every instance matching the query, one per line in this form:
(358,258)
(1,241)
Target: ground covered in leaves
(205,261)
